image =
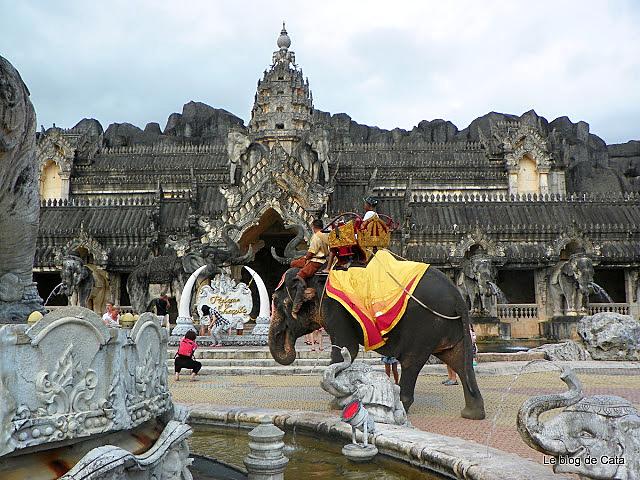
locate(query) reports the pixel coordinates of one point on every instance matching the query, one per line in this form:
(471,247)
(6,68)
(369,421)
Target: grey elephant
(174,271)
(570,285)
(595,437)
(476,282)
(237,144)
(348,381)
(84,285)
(19,198)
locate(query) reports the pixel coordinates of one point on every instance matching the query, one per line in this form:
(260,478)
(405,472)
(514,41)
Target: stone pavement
(436,408)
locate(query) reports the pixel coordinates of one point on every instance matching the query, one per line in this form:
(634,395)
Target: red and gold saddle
(376,295)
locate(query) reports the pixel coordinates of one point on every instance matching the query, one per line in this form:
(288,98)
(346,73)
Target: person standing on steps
(218,326)
(309,264)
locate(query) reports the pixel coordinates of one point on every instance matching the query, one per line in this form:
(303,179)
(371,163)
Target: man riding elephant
(313,260)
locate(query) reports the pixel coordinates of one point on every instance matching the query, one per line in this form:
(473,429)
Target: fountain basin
(445,457)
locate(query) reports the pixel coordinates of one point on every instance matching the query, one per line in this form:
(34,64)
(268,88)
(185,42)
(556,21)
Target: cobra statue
(291,250)
(19,201)
(594,437)
(173,271)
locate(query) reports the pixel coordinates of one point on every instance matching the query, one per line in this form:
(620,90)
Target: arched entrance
(269,232)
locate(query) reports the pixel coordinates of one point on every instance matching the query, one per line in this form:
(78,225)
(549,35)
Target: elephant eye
(586,434)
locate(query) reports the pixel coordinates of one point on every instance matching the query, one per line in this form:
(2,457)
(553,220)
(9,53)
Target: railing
(621,308)
(518,311)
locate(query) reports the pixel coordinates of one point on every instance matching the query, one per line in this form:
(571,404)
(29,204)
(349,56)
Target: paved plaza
(436,408)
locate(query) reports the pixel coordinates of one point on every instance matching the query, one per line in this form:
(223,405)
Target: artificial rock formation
(19,202)
(611,336)
(563,351)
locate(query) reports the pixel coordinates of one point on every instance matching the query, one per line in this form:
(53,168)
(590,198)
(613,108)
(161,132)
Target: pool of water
(309,458)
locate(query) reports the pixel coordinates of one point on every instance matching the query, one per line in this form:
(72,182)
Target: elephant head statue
(237,144)
(477,282)
(573,281)
(77,278)
(348,381)
(595,437)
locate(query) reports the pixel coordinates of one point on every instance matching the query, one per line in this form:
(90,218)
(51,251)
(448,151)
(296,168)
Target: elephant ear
(568,269)
(468,270)
(191,262)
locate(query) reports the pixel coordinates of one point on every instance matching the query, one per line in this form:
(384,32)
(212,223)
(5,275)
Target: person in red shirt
(184,357)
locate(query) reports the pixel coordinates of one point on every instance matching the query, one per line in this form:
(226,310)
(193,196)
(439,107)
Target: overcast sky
(385,63)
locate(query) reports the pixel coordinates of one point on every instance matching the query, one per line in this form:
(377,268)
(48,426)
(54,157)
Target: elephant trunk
(282,343)
(329,383)
(528,420)
(246,258)
(291,250)
(232,247)
(278,258)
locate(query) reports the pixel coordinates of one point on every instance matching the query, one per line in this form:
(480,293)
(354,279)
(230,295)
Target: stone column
(265,460)
(513,181)
(544,182)
(66,185)
(632,291)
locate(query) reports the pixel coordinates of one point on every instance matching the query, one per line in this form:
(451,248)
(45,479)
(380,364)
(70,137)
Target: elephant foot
(473,413)
(407,404)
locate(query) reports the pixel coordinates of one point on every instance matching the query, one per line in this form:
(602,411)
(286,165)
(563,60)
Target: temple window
(279,109)
(528,176)
(280,126)
(50,181)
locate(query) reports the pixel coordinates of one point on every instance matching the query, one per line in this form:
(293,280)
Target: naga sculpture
(291,251)
(348,381)
(476,282)
(174,271)
(19,201)
(595,437)
(84,285)
(570,285)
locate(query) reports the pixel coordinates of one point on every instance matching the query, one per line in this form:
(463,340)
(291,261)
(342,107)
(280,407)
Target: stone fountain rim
(449,456)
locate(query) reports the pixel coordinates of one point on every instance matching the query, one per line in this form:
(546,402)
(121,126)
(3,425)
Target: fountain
(600,293)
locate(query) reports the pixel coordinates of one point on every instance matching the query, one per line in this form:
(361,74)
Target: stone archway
(269,231)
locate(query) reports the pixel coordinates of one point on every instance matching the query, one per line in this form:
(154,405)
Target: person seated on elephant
(370,210)
(314,259)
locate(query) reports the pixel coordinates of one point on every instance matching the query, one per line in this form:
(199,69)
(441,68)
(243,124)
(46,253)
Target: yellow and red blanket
(372,295)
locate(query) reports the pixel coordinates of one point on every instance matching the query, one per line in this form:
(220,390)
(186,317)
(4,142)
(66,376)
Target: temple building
(537,222)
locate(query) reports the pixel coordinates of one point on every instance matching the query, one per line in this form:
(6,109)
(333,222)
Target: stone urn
(127,320)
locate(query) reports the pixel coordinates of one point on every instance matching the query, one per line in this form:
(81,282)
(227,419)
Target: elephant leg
(462,363)
(410,368)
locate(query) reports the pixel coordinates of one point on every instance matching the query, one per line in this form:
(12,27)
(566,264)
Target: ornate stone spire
(283,103)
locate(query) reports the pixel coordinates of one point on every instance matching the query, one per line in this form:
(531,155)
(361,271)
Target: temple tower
(283,103)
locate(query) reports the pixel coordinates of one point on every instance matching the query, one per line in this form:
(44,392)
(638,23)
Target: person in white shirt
(111,317)
(370,205)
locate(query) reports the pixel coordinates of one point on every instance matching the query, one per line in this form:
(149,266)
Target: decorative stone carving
(19,198)
(570,284)
(611,336)
(595,437)
(237,144)
(491,248)
(349,381)
(81,379)
(84,285)
(232,299)
(477,283)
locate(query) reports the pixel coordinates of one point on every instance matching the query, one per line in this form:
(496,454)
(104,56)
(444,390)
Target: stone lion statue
(19,198)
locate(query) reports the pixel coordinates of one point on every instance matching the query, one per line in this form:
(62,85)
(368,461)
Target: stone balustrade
(621,308)
(518,311)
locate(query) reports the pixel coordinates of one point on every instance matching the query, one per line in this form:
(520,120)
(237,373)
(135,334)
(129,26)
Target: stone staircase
(258,361)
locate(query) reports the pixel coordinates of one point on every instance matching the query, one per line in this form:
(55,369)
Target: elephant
(348,381)
(291,250)
(174,271)
(417,335)
(573,281)
(476,281)
(88,285)
(19,198)
(595,437)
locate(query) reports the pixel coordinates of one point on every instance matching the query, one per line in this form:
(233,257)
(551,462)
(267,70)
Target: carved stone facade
(516,189)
